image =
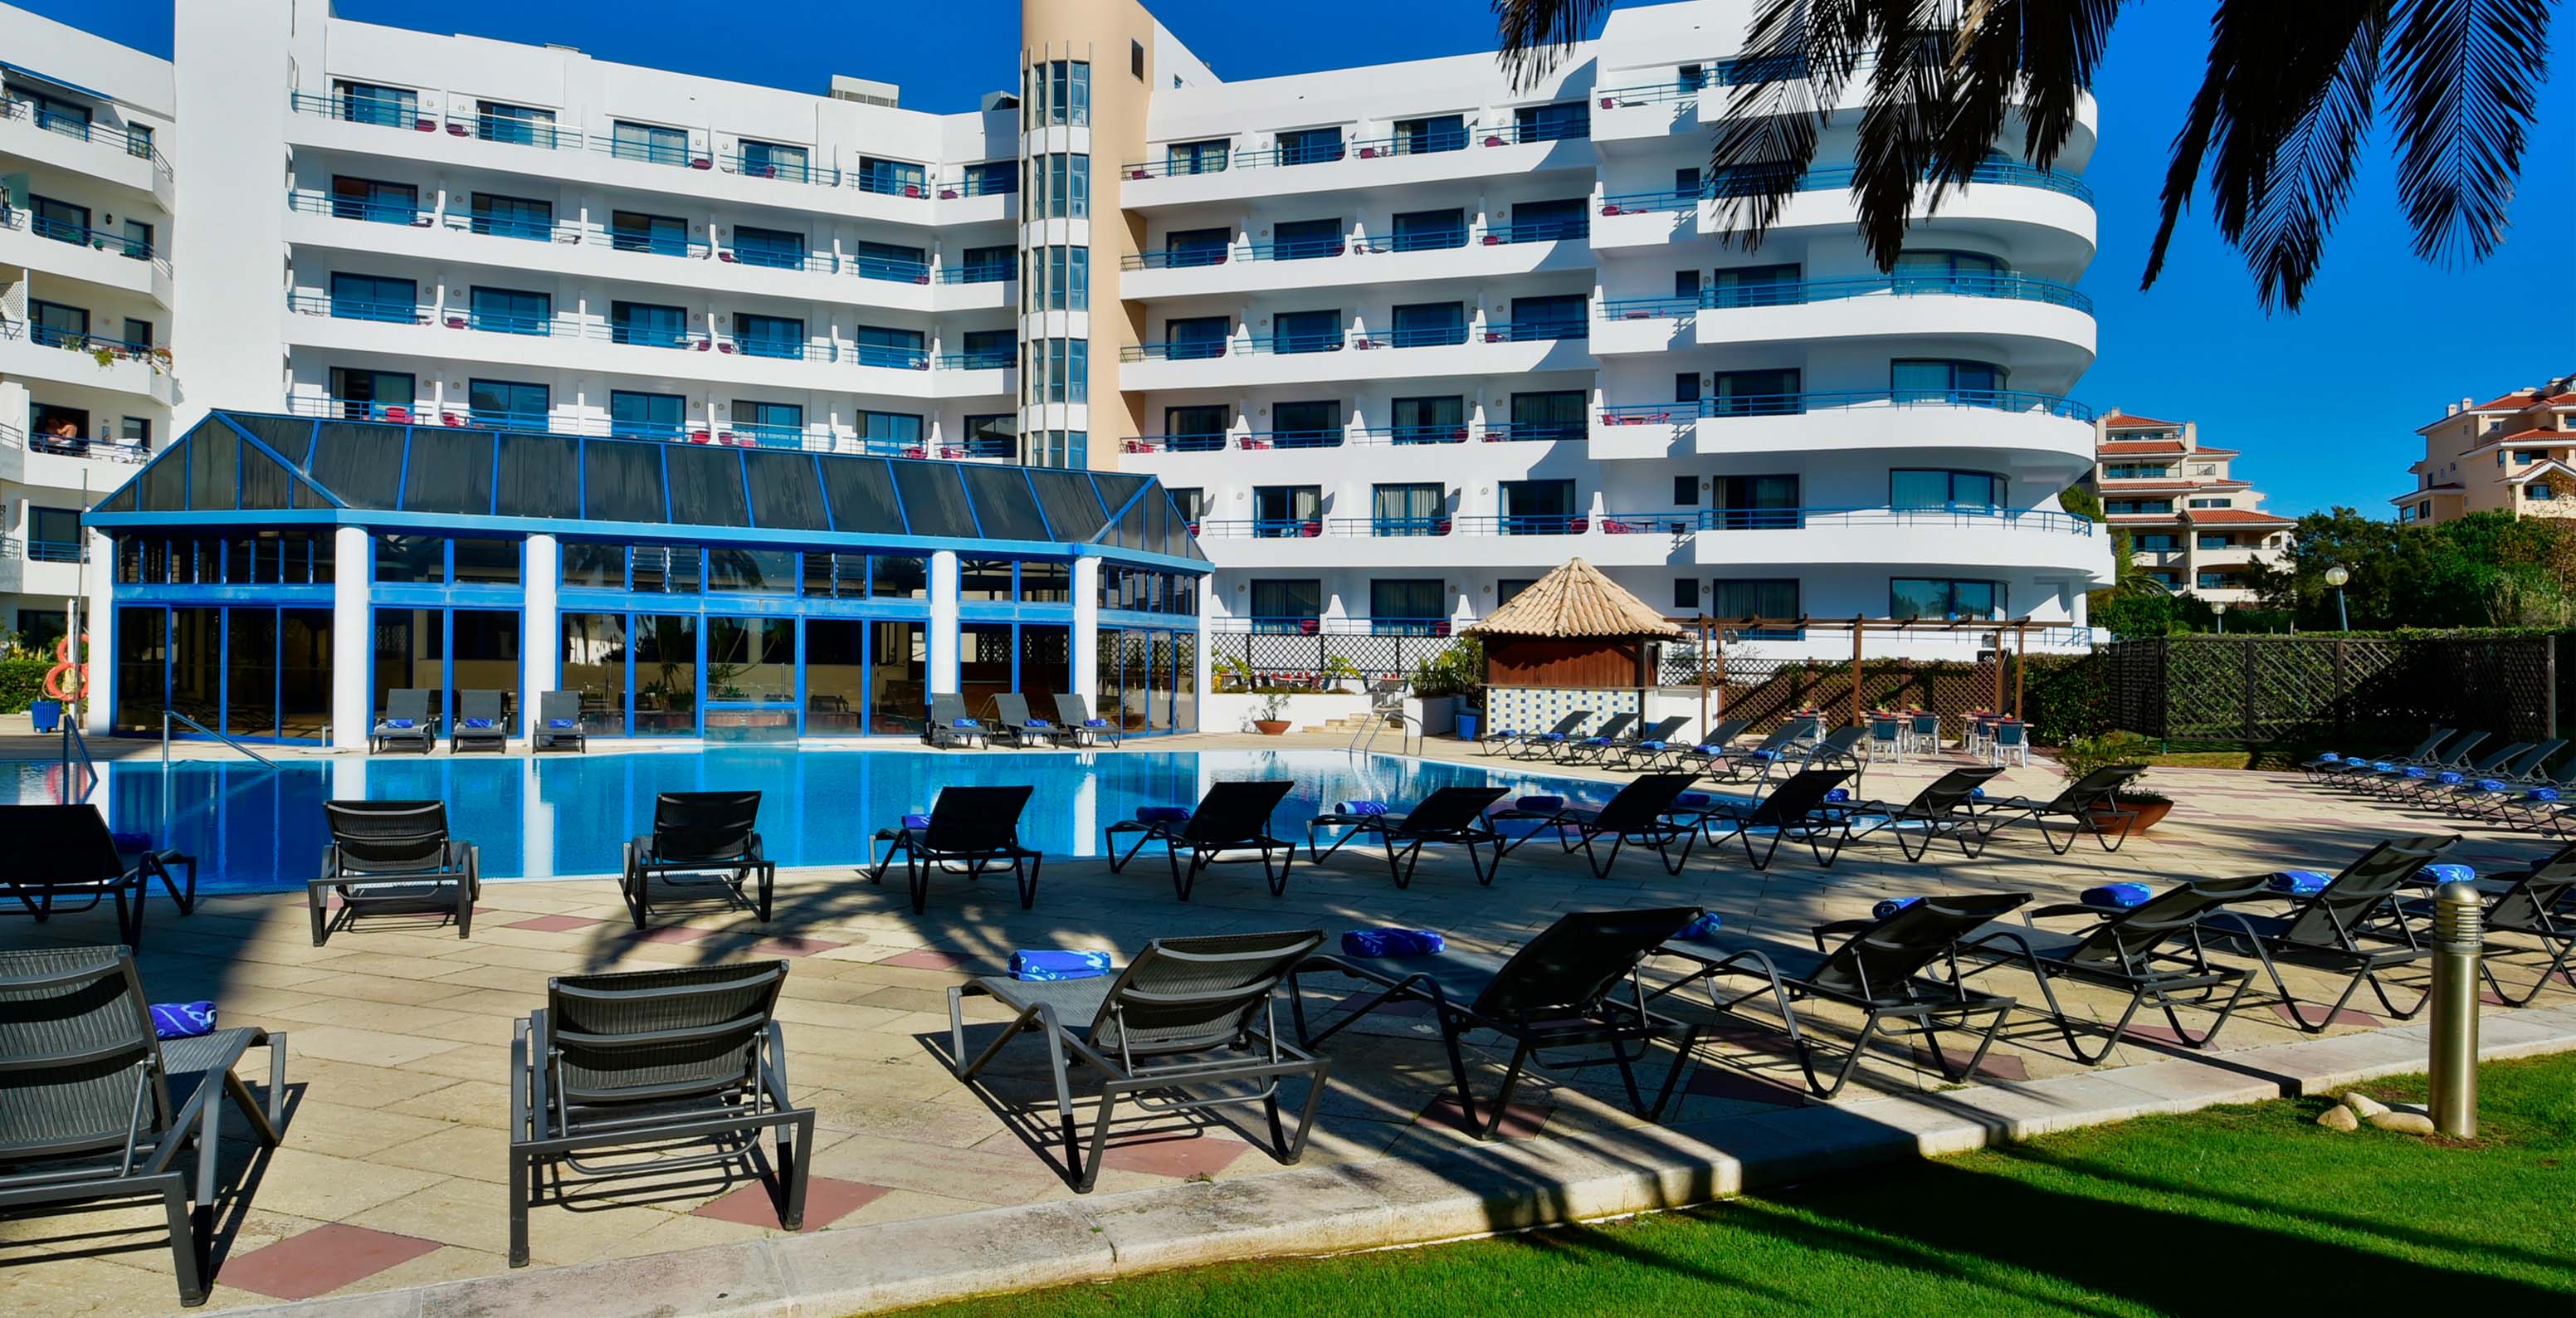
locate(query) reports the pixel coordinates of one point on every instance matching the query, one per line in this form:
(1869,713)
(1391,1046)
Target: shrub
(2082,755)
(1457,670)
(22,681)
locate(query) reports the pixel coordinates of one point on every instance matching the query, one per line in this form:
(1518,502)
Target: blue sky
(2324,403)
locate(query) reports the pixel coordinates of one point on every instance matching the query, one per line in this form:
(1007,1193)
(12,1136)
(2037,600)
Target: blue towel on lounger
(2491,784)
(1838,795)
(966,723)
(2541,794)
(1702,927)
(477,723)
(398,723)
(1095,723)
(2329,758)
(1694,798)
(1360,808)
(1162,814)
(2117,896)
(1891,906)
(1056,964)
(129,843)
(1392,942)
(1540,805)
(2300,883)
(182,1020)
(2450,778)
(916,821)
(2446,872)
(559,723)
(1037,723)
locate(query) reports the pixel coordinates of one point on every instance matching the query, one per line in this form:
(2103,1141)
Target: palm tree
(2291,91)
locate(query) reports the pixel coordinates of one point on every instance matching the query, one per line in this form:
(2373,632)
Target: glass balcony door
(645,416)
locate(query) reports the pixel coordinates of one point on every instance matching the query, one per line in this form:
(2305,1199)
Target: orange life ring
(56,686)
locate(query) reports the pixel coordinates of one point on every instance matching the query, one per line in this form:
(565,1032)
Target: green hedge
(21,682)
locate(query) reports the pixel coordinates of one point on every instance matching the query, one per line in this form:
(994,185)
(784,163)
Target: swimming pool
(257,829)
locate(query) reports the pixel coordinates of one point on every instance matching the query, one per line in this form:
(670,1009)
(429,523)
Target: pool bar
(275,577)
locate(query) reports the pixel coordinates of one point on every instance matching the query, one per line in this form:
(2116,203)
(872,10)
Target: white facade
(383,222)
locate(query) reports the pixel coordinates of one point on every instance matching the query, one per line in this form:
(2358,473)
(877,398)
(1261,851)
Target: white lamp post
(2219,607)
(2335,577)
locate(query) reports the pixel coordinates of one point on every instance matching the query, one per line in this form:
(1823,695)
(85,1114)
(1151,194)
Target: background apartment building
(1399,337)
(2508,454)
(2193,527)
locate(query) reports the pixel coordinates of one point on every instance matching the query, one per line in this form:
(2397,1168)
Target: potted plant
(2141,807)
(1269,724)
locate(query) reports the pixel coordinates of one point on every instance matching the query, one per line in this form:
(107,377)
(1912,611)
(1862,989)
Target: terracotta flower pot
(1270,727)
(2141,815)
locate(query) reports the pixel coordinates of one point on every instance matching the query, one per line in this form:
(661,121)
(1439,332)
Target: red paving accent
(1710,1082)
(928,959)
(827,1200)
(793,945)
(554,924)
(2153,1034)
(2344,1017)
(1997,1065)
(1205,1155)
(671,933)
(321,1261)
(1522,1121)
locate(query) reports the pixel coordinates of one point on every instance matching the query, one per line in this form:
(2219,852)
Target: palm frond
(2466,76)
(1802,53)
(1536,33)
(2038,57)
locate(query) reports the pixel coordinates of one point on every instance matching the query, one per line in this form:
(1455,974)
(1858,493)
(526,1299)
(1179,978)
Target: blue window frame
(1407,606)
(659,235)
(511,217)
(1286,512)
(370,103)
(510,402)
(1209,157)
(520,124)
(1435,420)
(775,160)
(1927,597)
(1556,316)
(1430,324)
(374,200)
(986,178)
(1447,132)
(55,325)
(769,336)
(898,433)
(374,297)
(1423,231)
(1408,509)
(648,324)
(367,395)
(883,345)
(1306,331)
(651,143)
(988,349)
(1308,146)
(512,311)
(1552,123)
(1306,240)
(56,115)
(1286,605)
(895,178)
(893,261)
(774,248)
(1915,488)
(633,415)
(770,423)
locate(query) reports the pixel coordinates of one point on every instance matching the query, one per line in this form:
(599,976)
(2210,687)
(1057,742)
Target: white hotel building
(1399,337)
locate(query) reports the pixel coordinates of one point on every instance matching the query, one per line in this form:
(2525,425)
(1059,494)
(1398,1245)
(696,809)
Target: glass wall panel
(487,562)
(984,661)
(594,667)
(1185,682)
(752,659)
(411,651)
(1111,678)
(142,668)
(898,669)
(250,692)
(304,673)
(751,571)
(197,665)
(1046,665)
(411,558)
(486,649)
(595,564)
(836,677)
(1158,712)
(900,578)
(666,675)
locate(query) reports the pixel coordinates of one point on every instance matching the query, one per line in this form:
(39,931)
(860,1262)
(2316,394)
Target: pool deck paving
(388,1195)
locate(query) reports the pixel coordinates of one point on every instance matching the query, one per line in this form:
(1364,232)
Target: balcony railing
(1967,515)
(993,184)
(988,272)
(1651,308)
(1412,144)
(358,107)
(354,208)
(1301,625)
(123,140)
(823,263)
(1535,231)
(1381,148)
(1259,440)
(890,357)
(989,359)
(513,130)
(73,446)
(1647,203)
(1714,73)
(2001,400)
(510,226)
(81,235)
(1562,130)
(1533,331)
(2006,285)
(345,308)
(54,336)
(1184,350)
(44,551)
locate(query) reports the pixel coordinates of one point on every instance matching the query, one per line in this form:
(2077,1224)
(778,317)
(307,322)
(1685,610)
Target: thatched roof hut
(1572,628)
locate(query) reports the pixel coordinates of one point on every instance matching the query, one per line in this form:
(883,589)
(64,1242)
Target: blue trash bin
(47,713)
(1467,727)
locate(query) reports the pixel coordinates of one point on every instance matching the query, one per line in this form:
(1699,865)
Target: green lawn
(2231,1210)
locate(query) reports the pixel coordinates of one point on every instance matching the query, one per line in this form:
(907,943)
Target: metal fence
(2278,688)
(1306,659)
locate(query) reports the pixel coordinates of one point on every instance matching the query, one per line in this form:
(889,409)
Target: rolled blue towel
(2381,766)
(2329,758)
(2450,778)
(398,723)
(1650,746)
(1891,906)
(559,722)
(1095,723)
(1392,942)
(1762,755)
(1976,793)
(2491,784)
(2447,872)
(1708,748)
(1162,814)
(1838,794)
(2418,771)
(182,1020)
(1538,804)
(2541,794)
(127,843)
(477,723)
(1037,723)
(1704,926)
(1053,964)
(2117,896)
(916,821)
(1361,807)
(2300,883)
(1694,798)
(967,723)
(1499,733)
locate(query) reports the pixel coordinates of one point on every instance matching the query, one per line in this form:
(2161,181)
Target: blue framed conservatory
(277,577)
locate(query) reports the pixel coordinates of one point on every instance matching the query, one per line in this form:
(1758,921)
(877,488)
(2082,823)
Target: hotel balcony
(1483,252)
(2030,540)
(2044,216)
(2059,430)
(1252,361)
(39,567)
(2039,323)
(94,256)
(1241,173)
(65,463)
(80,146)
(88,361)
(574,419)
(1607,539)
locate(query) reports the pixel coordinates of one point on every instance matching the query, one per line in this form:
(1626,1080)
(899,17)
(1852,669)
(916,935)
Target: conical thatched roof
(1574,601)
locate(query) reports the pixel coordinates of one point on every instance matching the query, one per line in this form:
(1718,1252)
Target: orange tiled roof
(2556,436)
(2238,517)
(2140,446)
(2124,421)
(1574,601)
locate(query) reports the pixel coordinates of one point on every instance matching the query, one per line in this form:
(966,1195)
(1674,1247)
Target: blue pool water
(255,828)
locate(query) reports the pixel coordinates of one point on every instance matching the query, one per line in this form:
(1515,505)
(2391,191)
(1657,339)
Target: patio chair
(1840,749)
(1878,971)
(2374,775)
(949,723)
(479,722)
(63,860)
(1551,743)
(2012,742)
(2330,766)
(651,1072)
(1231,820)
(1887,737)
(2531,902)
(1452,816)
(408,722)
(2416,784)
(1799,807)
(1651,743)
(1730,765)
(1641,812)
(2153,952)
(2476,795)
(1585,750)
(1924,730)
(2535,808)
(393,858)
(1505,739)
(972,831)
(97,1110)
(1188,1014)
(700,840)
(1076,716)
(558,723)
(2339,929)
(1026,730)
(2084,804)
(1945,808)
(1562,989)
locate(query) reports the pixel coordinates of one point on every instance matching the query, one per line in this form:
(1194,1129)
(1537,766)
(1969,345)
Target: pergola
(1712,634)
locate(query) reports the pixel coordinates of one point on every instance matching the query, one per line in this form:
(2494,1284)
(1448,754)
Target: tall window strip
(1059,371)
(1060,184)
(1059,95)
(1059,279)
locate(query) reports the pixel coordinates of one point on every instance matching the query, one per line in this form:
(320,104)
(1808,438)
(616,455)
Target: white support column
(98,619)
(353,558)
(1086,630)
(540,654)
(1207,598)
(943,621)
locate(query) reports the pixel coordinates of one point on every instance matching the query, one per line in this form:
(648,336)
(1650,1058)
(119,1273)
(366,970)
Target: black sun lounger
(1451,815)
(1231,820)
(972,831)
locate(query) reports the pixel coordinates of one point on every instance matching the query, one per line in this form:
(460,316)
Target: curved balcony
(1461,253)
(1250,361)
(1951,537)
(2052,325)
(85,147)
(2047,427)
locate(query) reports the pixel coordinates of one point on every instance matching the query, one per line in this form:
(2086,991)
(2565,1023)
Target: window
(1281,606)
(894,178)
(889,432)
(2213,540)
(645,416)
(1756,503)
(524,125)
(1757,286)
(1933,272)
(893,261)
(138,241)
(510,403)
(1286,511)
(1062,182)
(1196,337)
(1686,387)
(1430,324)
(1059,371)
(2159,542)
(353,297)
(1552,123)
(54,114)
(1557,316)
(510,217)
(651,143)
(770,423)
(1306,424)
(784,336)
(1756,393)
(1305,240)
(2214,581)
(62,221)
(1060,279)
(1196,429)
(1196,247)
(2211,503)
(1944,489)
(2136,471)
(1309,146)
(1058,94)
(1447,132)
(369,103)
(1538,507)
(2126,507)
(774,160)
(1306,331)
(659,235)
(880,345)
(1685,595)
(53,535)
(1428,420)
(371,200)
(991,265)
(991,178)
(1925,597)
(1769,597)
(1423,231)
(648,324)
(1191,500)
(996,436)
(1410,509)
(985,580)
(1208,157)
(2539,490)
(373,395)
(1136,59)
(776,249)
(1059,448)
(510,311)
(1685,491)
(989,350)
(1508,587)
(1556,414)
(1548,221)
(1968,383)
(135,430)
(1407,606)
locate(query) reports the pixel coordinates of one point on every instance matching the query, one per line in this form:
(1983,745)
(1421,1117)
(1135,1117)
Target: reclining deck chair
(1234,817)
(1451,815)
(704,840)
(972,831)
